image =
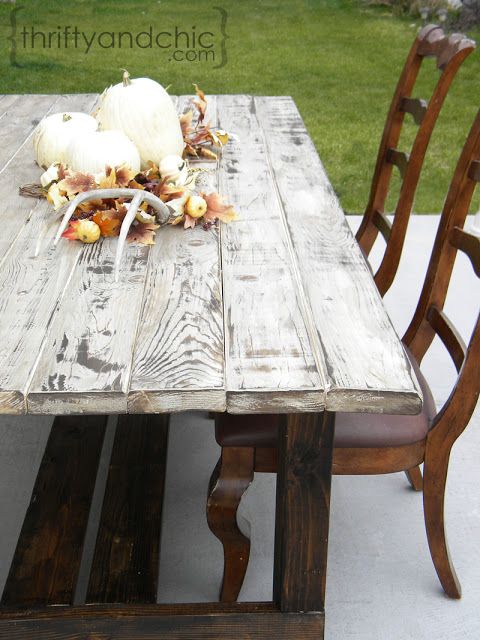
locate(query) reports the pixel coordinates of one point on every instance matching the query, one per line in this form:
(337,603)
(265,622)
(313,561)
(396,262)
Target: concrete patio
(381,583)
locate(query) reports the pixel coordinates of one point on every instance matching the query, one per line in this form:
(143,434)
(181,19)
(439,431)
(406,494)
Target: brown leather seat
(351,429)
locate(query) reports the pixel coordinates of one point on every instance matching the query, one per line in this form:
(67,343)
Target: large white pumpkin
(144,111)
(53,134)
(92,152)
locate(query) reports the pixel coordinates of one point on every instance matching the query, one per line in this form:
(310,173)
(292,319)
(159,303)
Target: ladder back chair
(376,444)
(450,52)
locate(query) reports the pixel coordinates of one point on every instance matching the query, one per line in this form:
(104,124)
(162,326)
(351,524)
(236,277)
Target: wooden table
(276,312)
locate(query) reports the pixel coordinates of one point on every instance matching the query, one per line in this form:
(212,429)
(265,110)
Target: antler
(127,221)
(137,195)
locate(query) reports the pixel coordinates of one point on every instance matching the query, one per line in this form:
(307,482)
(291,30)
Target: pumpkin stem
(126,78)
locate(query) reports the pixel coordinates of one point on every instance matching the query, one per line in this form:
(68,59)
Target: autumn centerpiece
(125,171)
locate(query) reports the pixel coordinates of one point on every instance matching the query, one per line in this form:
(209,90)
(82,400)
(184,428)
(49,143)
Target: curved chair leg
(415,478)
(434,481)
(230,479)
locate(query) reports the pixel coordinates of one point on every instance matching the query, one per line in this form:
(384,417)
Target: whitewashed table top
(276,312)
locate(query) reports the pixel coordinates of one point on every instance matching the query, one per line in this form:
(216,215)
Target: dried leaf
(189,222)
(190,151)
(167,191)
(153,172)
(207,153)
(124,175)
(90,206)
(108,221)
(176,220)
(142,233)
(219,137)
(75,182)
(217,209)
(201,103)
(186,120)
(109,181)
(133,184)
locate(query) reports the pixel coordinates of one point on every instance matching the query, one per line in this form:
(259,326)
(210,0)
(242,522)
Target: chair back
(450,52)
(429,319)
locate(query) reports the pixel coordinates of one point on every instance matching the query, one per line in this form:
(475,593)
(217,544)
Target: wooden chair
(376,444)
(449,52)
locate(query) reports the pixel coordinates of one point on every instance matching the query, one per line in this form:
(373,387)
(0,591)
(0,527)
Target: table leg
(303,505)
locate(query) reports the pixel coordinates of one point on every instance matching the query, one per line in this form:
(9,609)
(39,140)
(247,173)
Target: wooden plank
(125,563)
(34,283)
(366,364)
(178,360)
(303,507)
(34,274)
(47,559)
(270,360)
(86,360)
(19,116)
(169,622)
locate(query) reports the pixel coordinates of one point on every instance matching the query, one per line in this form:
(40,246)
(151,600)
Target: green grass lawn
(339,59)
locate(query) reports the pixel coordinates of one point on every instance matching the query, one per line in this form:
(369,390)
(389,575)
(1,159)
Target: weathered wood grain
(32,273)
(47,559)
(241,621)
(125,563)
(267,346)
(178,358)
(86,360)
(365,363)
(303,507)
(19,115)
(300,325)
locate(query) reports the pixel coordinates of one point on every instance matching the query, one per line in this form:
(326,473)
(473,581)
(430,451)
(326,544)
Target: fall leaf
(189,150)
(207,153)
(200,136)
(142,233)
(70,232)
(153,172)
(89,206)
(189,222)
(133,184)
(108,221)
(121,209)
(186,120)
(219,137)
(62,172)
(200,102)
(76,182)
(176,220)
(217,208)
(167,191)
(124,175)
(109,180)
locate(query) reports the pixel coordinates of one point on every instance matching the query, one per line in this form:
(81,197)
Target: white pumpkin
(53,134)
(144,111)
(92,152)
(174,169)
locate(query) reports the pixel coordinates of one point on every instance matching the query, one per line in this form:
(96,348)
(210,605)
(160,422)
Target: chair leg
(230,479)
(415,478)
(434,482)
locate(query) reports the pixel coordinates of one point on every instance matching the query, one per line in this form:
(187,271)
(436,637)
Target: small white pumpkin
(92,152)
(174,169)
(54,132)
(144,111)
